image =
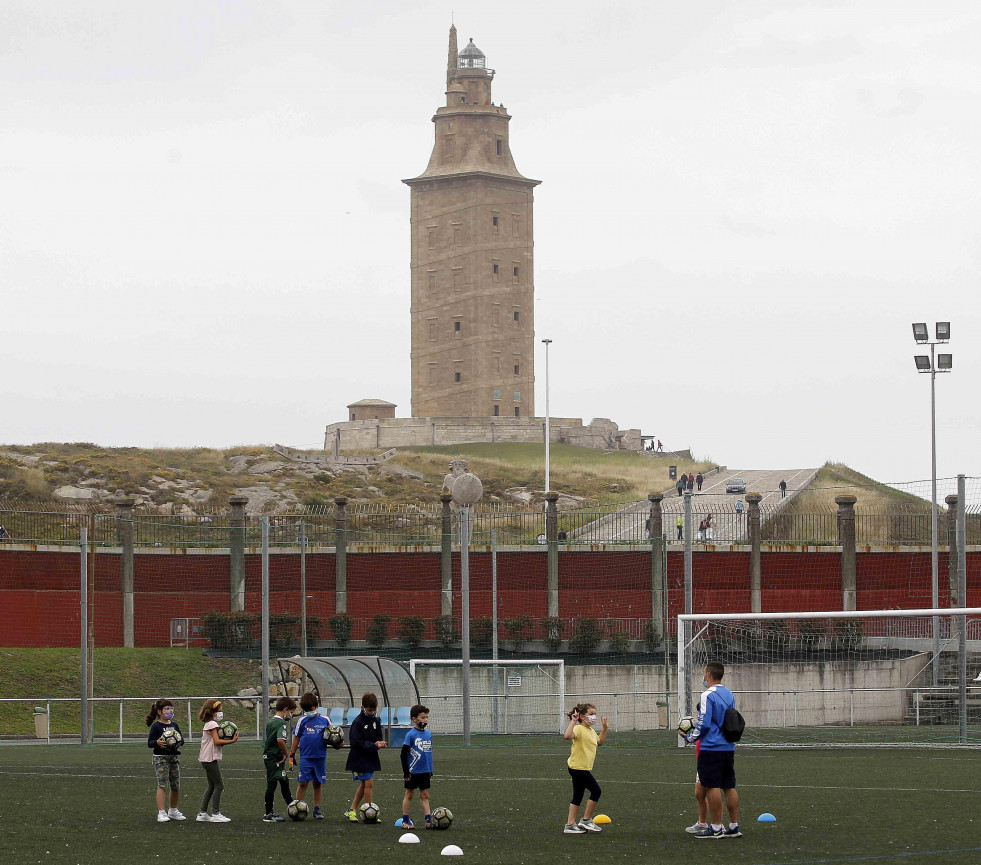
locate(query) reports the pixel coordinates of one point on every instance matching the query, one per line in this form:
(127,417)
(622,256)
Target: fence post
(236,552)
(340,555)
(83,636)
(846,540)
(755,569)
(552,539)
(446,554)
(265,622)
(962,597)
(124,533)
(955,599)
(655,532)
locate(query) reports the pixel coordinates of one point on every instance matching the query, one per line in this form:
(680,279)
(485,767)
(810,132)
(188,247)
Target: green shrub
(519,631)
(411,629)
(587,633)
(618,638)
(552,629)
(849,633)
(481,633)
(446,631)
(231,631)
(652,636)
(342,625)
(283,630)
(378,630)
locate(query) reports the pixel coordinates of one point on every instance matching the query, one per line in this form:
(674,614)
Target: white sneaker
(203,817)
(174,814)
(696,827)
(162,817)
(218,817)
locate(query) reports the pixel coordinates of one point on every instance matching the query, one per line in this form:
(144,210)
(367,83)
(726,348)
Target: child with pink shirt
(211,748)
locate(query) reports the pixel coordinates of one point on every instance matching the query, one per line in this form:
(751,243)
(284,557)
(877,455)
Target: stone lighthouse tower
(472,305)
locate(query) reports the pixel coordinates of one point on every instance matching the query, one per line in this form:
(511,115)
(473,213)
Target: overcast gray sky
(204,239)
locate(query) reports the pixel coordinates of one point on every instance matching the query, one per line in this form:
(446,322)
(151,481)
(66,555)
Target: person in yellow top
(584,744)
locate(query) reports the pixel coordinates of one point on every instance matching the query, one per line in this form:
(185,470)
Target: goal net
(505,696)
(839,678)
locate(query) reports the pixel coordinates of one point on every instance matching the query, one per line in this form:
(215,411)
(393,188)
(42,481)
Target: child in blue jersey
(308,736)
(417,764)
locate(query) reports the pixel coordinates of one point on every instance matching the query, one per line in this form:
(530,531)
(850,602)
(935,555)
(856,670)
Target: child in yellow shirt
(584,744)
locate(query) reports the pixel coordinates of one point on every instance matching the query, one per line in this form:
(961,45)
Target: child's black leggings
(284,786)
(581,782)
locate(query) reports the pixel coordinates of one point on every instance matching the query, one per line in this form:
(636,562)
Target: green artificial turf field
(67,804)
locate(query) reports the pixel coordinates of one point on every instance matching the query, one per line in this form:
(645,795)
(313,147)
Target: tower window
(517,395)
(432,373)
(457,237)
(496,316)
(515,227)
(448,146)
(458,376)
(458,280)
(497,365)
(517,412)
(517,315)
(432,282)
(456,326)
(495,224)
(500,149)
(432,238)
(432,330)
(516,274)
(497,393)
(517,369)
(497,268)
(497,410)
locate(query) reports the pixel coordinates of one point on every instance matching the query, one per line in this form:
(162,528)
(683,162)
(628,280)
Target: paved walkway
(629,524)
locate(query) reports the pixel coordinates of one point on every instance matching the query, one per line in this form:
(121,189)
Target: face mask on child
(421,725)
(705,683)
(591,719)
(168,714)
(219,715)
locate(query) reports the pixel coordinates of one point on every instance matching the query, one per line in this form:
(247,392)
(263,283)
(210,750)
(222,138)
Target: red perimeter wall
(39,596)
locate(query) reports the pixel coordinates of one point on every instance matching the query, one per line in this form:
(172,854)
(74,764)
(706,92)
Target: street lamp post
(548,434)
(933,364)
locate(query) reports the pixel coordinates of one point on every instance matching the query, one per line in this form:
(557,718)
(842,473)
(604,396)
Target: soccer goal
(505,696)
(839,678)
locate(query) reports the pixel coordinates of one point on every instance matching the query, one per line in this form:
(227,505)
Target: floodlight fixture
(922,362)
(945,362)
(943,331)
(920,332)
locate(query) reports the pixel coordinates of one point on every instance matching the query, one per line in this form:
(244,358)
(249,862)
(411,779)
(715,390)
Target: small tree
(411,629)
(378,630)
(618,638)
(341,625)
(519,631)
(652,636)
(552,629)
(446,631)
(586,636)
(283,629)
(481,633)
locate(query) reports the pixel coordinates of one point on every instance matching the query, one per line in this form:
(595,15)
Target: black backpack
(733,724)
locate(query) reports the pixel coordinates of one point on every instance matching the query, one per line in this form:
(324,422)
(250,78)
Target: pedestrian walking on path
(783,489)
(698,480)
(681,526)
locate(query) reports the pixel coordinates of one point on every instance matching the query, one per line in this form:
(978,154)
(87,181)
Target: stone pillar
(951,501)
(655,532)
(846,540)
(236,552)
(552,540)
(340,555)
(124,532)
(446,555)
(755,568)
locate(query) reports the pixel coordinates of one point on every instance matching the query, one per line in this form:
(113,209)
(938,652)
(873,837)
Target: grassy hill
(34,674)
(835,479)
(201,479)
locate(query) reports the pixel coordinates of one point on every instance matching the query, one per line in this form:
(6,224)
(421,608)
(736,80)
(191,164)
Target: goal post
(841,677)
(507,696)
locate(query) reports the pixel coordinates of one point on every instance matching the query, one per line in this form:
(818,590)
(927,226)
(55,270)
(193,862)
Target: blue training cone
(398,823)
(766,817)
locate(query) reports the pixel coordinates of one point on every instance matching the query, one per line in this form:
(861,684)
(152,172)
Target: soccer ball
(369,812)
(227,730)
(442,818)
(172,738)
(333,736)
(686,725)
(297,810)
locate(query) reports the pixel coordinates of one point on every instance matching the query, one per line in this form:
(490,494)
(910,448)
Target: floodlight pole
(465,616)
(934,556)
(548,434)
(303,588)
(264,718)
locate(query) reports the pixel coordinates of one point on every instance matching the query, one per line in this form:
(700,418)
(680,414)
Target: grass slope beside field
(835,479)
(33,674)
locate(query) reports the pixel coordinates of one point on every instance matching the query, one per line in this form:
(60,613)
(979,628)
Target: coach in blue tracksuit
(716,755)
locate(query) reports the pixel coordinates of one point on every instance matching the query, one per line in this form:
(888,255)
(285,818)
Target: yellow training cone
(602,818)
